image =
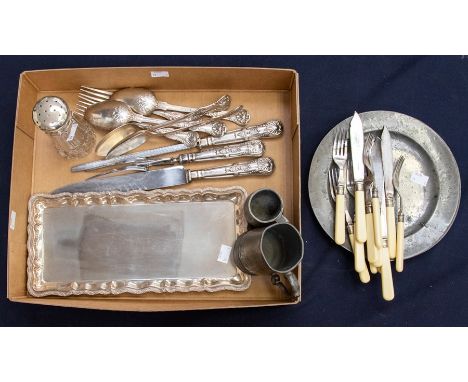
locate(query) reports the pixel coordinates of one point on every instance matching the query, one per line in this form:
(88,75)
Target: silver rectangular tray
(134,242)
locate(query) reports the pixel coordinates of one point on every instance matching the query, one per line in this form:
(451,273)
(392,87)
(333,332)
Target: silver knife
(387,161)
(356,136)
(264,130)
(167,177)
(382,255)
(253,148)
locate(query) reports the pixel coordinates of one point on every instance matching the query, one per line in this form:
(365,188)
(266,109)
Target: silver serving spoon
(111,114)
(144,102)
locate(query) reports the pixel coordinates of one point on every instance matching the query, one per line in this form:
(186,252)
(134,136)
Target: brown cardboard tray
(37,168)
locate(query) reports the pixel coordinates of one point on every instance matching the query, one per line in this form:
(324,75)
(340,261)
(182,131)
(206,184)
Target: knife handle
(376,217)
(370,236)
(340,217)
(400,244)
(265,130)
(245,149)
(388,292)
(359,219)
(391,229)
(364,276)
(373,269)
(260,166)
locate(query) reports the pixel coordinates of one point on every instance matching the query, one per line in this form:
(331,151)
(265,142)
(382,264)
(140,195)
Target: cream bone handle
(245,149)
(376,216)
(364,276)
(265,130)
(388,292)
(340,216)
(400,243)
(370,235)
(260,166)
(390,209)
(359,210)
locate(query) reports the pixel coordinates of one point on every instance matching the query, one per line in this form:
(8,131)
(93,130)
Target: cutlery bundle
(366,175)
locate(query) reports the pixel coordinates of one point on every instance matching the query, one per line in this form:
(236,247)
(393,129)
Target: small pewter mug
(272,250)
(264,207)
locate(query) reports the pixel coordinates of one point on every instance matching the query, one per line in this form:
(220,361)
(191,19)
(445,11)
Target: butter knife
(357,149)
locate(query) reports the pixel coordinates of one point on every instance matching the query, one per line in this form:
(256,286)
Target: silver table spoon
(144,102)
(111,114)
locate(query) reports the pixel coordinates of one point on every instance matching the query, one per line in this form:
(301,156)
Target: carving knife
(356,136)
(265,130)
(387,161)
(167,177)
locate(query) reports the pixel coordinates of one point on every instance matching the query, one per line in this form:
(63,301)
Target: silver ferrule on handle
(264,130)
(389,200)
(244,149)
(358,186)
(260,166)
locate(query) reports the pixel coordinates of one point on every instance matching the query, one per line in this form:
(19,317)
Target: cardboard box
(36,167)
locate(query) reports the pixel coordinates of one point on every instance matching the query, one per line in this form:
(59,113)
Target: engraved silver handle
(260,166)
(240,117)
(213,128)
(264,130)
(244,149)
(223,104)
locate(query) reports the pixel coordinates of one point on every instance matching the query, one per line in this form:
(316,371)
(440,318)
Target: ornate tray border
(38,287)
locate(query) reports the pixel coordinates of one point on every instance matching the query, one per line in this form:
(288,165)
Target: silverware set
(125,112)
(363,183)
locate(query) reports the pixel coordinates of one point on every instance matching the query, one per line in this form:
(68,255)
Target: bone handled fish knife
(387,162)
(356,135)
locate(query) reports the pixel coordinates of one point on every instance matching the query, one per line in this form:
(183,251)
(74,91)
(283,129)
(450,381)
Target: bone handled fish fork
(359,255)
(333,184)
(146,103)
(340,156)
(400,234)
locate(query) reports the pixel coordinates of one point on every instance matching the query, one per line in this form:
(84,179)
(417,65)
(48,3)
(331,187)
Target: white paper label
(162,73)
(224,253)
(72,132)
(12,220)
(420,179)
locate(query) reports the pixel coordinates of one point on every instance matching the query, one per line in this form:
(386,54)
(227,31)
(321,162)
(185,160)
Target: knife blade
(356,135)
(387,161)
(268,129)
(167,177)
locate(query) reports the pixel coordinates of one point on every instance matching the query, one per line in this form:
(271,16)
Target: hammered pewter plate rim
(37,287)
(430,142)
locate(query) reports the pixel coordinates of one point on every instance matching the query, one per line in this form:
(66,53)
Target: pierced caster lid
(50,113)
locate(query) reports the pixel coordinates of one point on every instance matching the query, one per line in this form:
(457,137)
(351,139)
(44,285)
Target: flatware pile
(364,183)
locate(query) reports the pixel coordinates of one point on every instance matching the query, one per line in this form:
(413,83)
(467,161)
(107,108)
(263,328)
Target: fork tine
(331,184)
(341,145)
(86,103)
(345,153)
(91,99)
(335,143)
(90,89)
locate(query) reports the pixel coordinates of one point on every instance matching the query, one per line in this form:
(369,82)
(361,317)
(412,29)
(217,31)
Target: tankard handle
(295,291)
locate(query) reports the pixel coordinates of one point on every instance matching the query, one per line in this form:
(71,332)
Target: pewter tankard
(272,250)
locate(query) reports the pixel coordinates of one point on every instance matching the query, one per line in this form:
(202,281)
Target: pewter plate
(429,180)
(135,242)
